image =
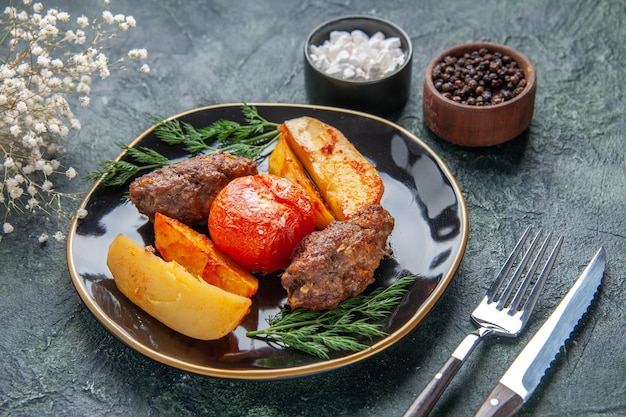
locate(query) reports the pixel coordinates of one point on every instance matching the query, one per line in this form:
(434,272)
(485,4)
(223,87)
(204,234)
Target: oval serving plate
(428,241)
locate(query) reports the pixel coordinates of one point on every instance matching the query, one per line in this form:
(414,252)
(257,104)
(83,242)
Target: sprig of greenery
(116,173)
(249,140)
(318,332)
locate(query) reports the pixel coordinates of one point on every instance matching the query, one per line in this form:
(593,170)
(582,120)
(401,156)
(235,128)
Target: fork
(497,314)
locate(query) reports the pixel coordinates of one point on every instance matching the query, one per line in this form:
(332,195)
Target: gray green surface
(567,173)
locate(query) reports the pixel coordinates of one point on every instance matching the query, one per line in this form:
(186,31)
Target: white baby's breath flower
(78,59)
(40,127)
(43,60)
(36,50)
(104,72)
(54,82)
(32,204)
(70,36)
(82,21)
(144,69)
(59,236)
(47,185)
(81,213)
(7,228)
(83,88)
(42,76)
(138,53)
(15,192)
(23,68)
(48,169)
(10,12)
(15,130)
(81,37)
(54,128)
(107,16)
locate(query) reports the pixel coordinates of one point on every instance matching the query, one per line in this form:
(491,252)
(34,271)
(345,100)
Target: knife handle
(501,402)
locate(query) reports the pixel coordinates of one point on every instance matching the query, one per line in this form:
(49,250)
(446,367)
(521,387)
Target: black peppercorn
(479,78)
(447,87)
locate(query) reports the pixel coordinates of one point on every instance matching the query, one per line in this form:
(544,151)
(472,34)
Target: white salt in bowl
(359,62)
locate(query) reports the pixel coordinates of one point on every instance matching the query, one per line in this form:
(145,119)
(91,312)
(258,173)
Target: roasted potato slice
(284,163)
(193,250)
(172,295)
(346,180)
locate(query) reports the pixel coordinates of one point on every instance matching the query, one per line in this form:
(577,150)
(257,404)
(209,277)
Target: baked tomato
(258,221)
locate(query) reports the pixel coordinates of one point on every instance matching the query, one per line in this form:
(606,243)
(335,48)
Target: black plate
(428,240)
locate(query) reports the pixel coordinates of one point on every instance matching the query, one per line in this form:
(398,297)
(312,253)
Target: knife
(520,380)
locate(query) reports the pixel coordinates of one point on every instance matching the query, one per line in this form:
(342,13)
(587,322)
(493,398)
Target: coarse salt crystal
(357,56)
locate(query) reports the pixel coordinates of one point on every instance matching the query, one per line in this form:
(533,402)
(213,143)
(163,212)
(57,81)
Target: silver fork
(497,314)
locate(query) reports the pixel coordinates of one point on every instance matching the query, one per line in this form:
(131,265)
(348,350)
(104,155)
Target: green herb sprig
(249,140)
(318,332)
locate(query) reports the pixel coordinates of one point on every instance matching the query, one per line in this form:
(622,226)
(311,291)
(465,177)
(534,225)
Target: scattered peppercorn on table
(566,173)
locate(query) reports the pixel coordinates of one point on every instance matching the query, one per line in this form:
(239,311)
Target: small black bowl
(382,96)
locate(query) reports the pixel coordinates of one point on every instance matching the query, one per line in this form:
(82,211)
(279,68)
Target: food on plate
(172,295)
(185,190)
(284,163)
(338,262)
(258,221)
(193,250)
(347,181)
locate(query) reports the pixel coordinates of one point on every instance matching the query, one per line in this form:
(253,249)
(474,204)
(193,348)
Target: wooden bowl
(471,125)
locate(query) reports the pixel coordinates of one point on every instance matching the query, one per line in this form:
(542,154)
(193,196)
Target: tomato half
(259,220)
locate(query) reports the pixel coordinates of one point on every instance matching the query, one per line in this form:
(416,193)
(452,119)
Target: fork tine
(534,295)
(497,283)
(505,297)
(521,291)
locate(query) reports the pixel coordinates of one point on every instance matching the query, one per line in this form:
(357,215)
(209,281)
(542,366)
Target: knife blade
(523,376)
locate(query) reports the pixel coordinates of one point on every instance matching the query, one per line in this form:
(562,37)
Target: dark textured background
(567,173)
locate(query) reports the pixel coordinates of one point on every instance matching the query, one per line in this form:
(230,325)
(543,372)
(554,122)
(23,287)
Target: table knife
(520,380)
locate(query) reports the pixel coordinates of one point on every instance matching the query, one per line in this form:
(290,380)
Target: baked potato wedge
(172,295)
(178,242)
(346,180)
(284,163)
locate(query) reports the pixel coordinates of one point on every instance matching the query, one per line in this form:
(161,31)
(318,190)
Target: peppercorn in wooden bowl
(479,94)
(359,62)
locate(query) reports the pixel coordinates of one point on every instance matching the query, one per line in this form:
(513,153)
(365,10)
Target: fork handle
(425,401)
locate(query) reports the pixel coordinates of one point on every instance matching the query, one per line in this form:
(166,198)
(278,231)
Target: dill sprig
(116,173)
(318,332)
(249,140)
